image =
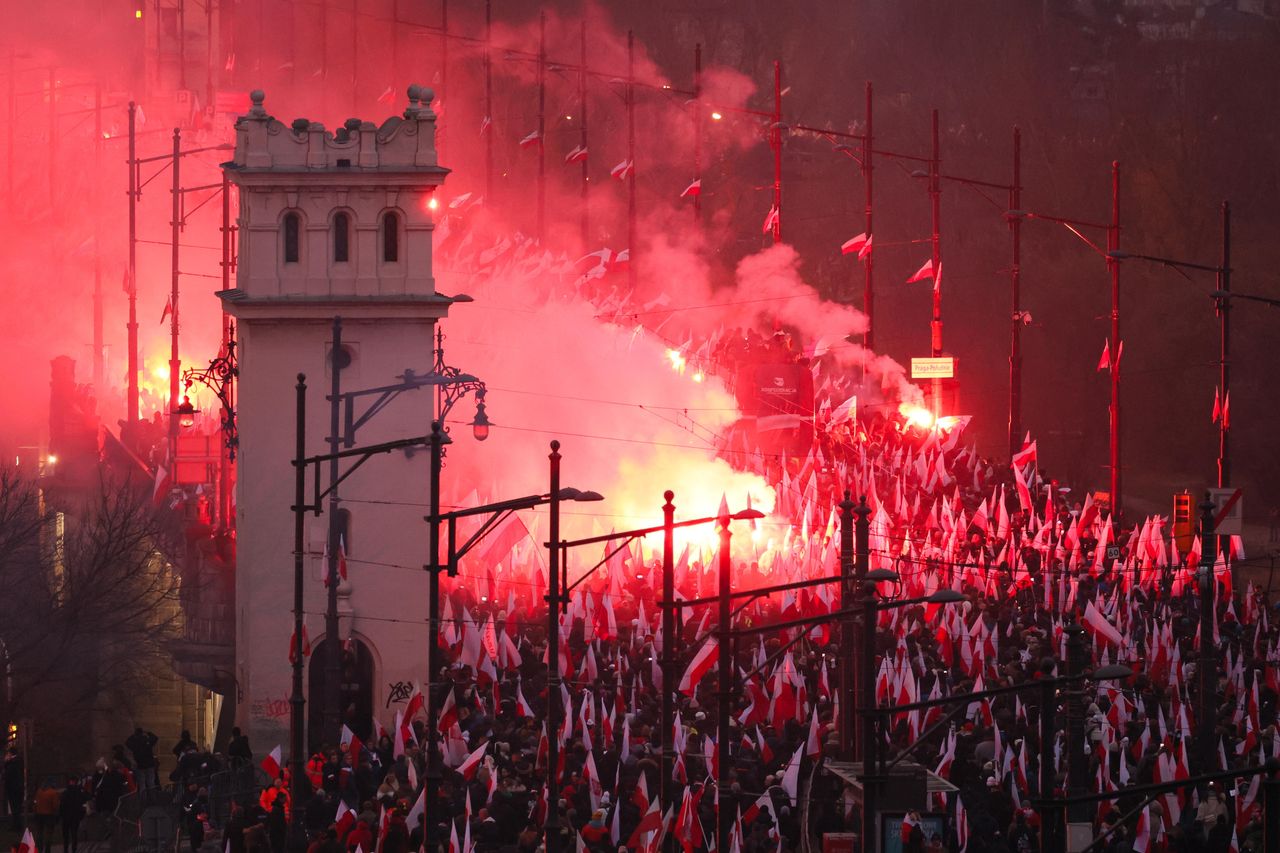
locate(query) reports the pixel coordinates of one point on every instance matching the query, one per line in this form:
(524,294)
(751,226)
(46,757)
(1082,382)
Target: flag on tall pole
(693,189)
(923,273)
(860,244)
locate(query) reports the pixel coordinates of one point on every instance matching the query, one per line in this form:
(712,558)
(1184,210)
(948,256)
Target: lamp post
(219,377)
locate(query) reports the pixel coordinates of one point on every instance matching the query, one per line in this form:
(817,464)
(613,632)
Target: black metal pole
(1077,754)
(133,271)
(866,655)
(868,294)
(1052,828)
(585,189)
(1271,814)
(633,251)
(434,759)
(542,127)
(175,363)
(488,101)
(297,702)
(847,662)
(725,809)
(697,134)
(552,829)
(329,733)
(665,737)
(1206,669)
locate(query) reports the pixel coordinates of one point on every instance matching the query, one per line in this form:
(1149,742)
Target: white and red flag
(772,220)
(695,188)
(925,272)
(699,666)
(1101,627)
(531,140)
(272,763)
(860,244)
(623,170)
(577,155)
(351,745)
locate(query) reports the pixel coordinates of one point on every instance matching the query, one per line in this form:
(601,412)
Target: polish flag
(1104,361)
(168,308)
(1142,833)
(164,482)
(651,821)
(772,220)
(351,745)
(791,777)
(1098,625)
(522,705)
(416,703)
(28,844)
(485,124)
(344,819)
(1024,494)
(577,155)
(342,556)
(531,140)
(272,763)
(923,273)
(860,244)
(962,826)
(415,814)
(1026,455)
(449,712)
(694,188)
(471,763)
(387,96)
(293,646)
(699,667)
(623,170)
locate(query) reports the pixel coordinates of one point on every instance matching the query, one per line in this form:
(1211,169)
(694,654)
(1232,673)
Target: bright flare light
(677,360)
(917,416)
(716,116)
(433,203)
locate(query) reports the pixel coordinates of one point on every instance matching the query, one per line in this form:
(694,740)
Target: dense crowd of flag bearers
(1031,559)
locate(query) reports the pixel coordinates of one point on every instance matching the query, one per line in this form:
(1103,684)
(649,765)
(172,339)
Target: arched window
(292,237)
(390,237)
(341,238)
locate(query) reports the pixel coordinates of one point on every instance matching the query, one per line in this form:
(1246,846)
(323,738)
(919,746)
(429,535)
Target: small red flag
(924,272)
(623,170)
(531,140)
(1104,361)
(694,188)
(273,763)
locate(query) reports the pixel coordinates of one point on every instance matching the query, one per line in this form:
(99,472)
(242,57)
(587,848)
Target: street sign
(933,368)
(1228,512)
(1113,552)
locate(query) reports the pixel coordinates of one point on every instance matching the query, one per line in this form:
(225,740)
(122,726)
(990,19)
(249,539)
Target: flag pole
(98,360)
(776,139)
(631,158)
(1224,367)
(582,110)
(1015,273)
(444,75)
(697,131)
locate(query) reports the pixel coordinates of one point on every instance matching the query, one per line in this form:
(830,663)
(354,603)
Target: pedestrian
(45,814)
(184,744)
(71,809)
(142,745)
(15,782)
(195,811)
(238,748)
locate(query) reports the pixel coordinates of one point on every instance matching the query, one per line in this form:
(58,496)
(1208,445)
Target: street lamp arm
(1101,674)
(759,591)
(1231,294)
(365,454)
(744,515)
(1121,255)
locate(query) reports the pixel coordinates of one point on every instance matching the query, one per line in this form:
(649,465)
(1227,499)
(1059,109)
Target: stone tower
(332,224)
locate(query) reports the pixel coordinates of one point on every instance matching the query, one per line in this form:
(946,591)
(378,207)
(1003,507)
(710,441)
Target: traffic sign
(1228,512)
(933,368)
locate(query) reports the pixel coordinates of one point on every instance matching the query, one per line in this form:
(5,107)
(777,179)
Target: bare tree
(90,602)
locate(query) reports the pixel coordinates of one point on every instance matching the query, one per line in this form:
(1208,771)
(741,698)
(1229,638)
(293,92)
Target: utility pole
(868,297)
(1113,245)
(444,73)
(175,362)
(697,135)
(131,282)
(935,203)
(99,372)
(435,761)
(1015,283)
(582,112)
(775,137)
(542,127)
(1224,364)
(488,101)
(633,252)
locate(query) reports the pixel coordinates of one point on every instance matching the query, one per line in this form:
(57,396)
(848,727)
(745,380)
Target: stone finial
(426,95)
(256,97)
(415,94)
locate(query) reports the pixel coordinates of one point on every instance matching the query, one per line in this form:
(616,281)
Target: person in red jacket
(360,837)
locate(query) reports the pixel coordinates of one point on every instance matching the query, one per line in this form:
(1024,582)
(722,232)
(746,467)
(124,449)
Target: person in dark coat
(71,809)
(142,745)
(15,791)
